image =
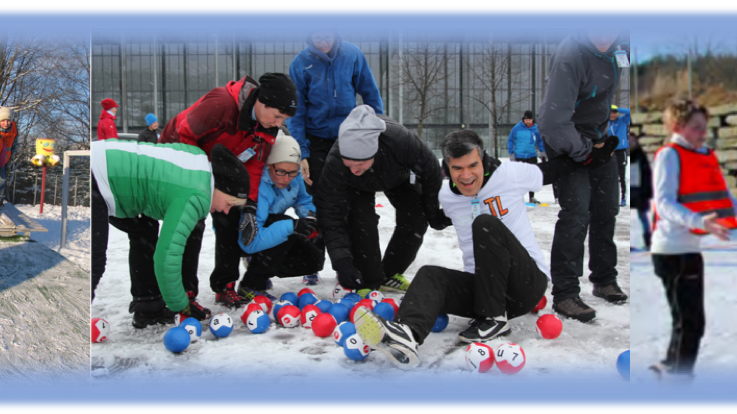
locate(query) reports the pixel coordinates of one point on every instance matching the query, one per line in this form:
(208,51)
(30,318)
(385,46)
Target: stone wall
(722,137)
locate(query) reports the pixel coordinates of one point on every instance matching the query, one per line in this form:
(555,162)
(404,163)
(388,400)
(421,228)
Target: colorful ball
(375,295)
(384,310)
(324,325)
(343,331)
(176,339)
(193,328)
(510,358)
(221,325)
(265,303)
(549,326)
(340,292)
(623,364)
(352,313)
(290,297)
(277,306)
(288,316)
(479,357)
(339,312)
(440,323)
(253,306)
(355,349)
(309,313)
(100,330)
(305,290)
(540,305)
(258,321)
(392,302)
(324,305)
(349,304)
(353,297)
(367,303)
(307,298)
(179,317)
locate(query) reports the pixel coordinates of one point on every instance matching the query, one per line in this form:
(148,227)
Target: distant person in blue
(619,122)
(522,144)
(328,74)
(283,246)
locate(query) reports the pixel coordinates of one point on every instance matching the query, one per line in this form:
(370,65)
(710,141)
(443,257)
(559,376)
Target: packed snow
(44,299)
(130,353)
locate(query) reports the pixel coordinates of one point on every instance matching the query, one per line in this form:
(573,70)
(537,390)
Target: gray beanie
(359,134)
(285,149)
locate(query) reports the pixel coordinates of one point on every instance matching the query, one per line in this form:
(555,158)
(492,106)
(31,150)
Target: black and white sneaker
(392,339)
(485,329)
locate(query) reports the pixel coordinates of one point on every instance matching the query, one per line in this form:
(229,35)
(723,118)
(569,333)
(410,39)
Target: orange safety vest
(7,139)
(702,188)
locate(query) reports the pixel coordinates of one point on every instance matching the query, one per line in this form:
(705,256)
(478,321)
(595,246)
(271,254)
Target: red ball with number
(264,302)
(309,313)
(288,316)
(305,290)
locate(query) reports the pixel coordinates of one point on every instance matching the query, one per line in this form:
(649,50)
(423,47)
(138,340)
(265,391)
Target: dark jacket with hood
(223,116)
(641,191)
(575,112)
(327,86)
(149,136)
(399,152)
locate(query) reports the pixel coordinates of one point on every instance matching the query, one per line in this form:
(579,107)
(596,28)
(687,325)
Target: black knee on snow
(486,223)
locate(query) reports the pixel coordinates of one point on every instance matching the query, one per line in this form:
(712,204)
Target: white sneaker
(392,339)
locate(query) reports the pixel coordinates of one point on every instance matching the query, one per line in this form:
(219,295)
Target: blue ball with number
(323,305)
(347,303)
(221,325)
(176,339)
(343,331)
(440,323)
(355,349)
(623,364)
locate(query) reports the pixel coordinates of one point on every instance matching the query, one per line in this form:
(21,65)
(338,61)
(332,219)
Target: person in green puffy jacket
(135,184)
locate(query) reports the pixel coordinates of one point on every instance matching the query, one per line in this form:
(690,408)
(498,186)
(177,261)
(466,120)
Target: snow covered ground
(651,316)
(296,353)
(44,300)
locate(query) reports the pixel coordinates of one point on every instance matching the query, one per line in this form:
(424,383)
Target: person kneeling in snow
(504,275)
(283,246)
(171,182)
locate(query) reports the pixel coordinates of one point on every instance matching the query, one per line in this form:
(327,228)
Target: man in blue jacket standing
(283,246)
(522,142)
(619,121)
(328,74)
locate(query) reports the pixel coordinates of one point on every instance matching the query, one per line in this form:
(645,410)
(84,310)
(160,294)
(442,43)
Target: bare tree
(493,71)
(423,72)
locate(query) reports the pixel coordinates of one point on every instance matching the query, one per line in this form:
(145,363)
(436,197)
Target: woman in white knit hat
(283,246)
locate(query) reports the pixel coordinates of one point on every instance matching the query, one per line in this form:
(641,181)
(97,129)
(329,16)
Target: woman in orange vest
(8,133)
(691,200)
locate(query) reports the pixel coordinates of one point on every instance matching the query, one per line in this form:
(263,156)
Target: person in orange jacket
(687,206)
(106,126)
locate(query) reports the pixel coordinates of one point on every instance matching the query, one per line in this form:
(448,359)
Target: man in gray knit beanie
(375,153)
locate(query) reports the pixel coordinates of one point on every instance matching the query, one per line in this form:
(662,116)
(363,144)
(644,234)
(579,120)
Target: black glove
(440,221)
(248,225)
(306,227)
(598,157)
(348,276)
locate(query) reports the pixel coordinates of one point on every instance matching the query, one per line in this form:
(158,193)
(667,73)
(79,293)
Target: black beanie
(527,115)
(278,91)
(231,177)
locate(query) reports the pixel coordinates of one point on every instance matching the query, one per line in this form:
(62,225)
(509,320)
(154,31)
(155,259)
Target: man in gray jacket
(574,119)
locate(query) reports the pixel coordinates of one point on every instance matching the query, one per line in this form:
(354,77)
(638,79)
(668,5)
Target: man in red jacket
(245,117)
(106,126)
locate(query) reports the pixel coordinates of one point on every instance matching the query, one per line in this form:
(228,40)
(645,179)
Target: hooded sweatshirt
(574,115)
(327,85)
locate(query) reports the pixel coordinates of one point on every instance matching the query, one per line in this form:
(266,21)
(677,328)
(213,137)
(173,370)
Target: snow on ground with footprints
(129,353)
